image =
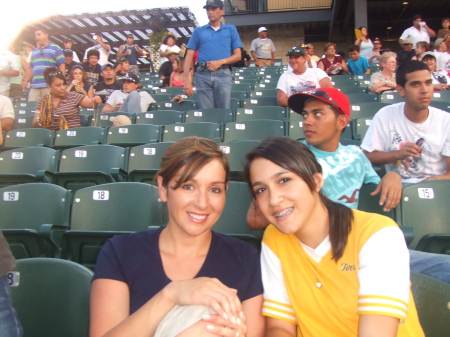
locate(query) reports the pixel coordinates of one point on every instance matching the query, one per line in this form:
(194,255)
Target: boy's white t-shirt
(291,83)
(390,130)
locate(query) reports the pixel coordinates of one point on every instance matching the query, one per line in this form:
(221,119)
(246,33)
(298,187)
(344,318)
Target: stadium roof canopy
(114,26)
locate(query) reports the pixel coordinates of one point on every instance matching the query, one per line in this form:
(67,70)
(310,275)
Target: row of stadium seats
(74,225)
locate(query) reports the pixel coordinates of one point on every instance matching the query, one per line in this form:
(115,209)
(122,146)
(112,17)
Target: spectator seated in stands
(109,83)
(78,82)
(320,260)
(375,54)
(59,109)
(440,47)
(99,45)
(407,53)
(7,115)
(443,61)
(122,68)
(411,138)
(357,64)
(332,64)
(167,67)
(92,67)
(129,99)
(444,33)
(167,45)
(300,79)
(421,48)
(441,80)
(181,279)
(177,76)
(385,78)
(70,63)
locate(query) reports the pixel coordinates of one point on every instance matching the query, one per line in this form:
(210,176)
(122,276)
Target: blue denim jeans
(9,322)
(213,88)
(435,265)
(132,103)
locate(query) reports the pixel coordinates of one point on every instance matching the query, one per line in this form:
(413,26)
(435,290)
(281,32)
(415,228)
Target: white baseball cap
(262,29)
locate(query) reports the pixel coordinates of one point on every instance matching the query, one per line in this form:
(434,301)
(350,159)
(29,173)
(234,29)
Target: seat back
(79,136)
(361,98)
(52,297)
(23,121)
(365,109)
(371,204)
(424,207)
(103,119)
(28,212)
(262,101)
(28,137)
(261,112)
(174,132)
(145,161)
(432,298)
(171,105)
(236,152)
(253,130)
(441,96)
(164,117)
(391,98)
(233,219)
(133,135)
(92,158)
(213,115)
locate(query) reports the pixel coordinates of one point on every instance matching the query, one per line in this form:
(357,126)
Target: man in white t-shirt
(411,138)
(443,61)
(301,79)
(129,99)
(103,48)
(419,31)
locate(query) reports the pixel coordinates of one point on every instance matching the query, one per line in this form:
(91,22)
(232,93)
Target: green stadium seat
(391,97)
(172,91)
(235,103)
(361,77)
(23,122)
(133,135)
(244,81)
(91,135)
(236,152)
(28,137)
(240,77)
(90,165)
(239,94)
(353,90)
(432,298)
(261,112)
(441,105)
(34,216)
(241,87)
(145,161)
(85,120)
(371,204)
(213,115)
(100,212)
(272,85)
(51,297)
(360,127)
(365,109)
(435,243)
(261,101)
(172,105)
(159,97)
(233,219)
(20,112)
(296,129)
(361,98)
(27,164)
(262,93)
(24,104)
(424,207)
(441,96)
(175,132)
(163,117)
(253,130)
(103,118)
(343,80)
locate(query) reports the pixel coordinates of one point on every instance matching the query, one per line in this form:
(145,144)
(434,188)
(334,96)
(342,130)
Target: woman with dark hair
(332,64)
(177,76)
(365,44)
(327,270)
(59,109)
(441,80)
(182,279)
(78,82)
(167,45)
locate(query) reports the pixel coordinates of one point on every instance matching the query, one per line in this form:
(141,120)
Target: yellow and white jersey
(306,287)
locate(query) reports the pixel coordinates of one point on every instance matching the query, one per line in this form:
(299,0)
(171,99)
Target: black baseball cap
(213,3)
(131,77)
(68,52)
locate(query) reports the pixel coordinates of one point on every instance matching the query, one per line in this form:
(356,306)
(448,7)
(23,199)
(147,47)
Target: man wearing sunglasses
(70,63)
(45,55)
(374,55)
(300,79)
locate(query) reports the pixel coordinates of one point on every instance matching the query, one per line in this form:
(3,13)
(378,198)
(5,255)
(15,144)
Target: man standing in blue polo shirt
(45,55)
(219,47)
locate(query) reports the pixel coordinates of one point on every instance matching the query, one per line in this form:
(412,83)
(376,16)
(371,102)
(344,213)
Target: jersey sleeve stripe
(372,297)
(392,313)
(381,302)
(381,307)
(274,308)
(278,315)
(278,304)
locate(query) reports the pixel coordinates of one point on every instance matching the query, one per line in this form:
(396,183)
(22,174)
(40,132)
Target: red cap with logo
(331,96)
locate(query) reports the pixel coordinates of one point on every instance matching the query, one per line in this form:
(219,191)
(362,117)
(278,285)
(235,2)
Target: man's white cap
(262,29)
